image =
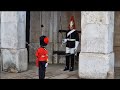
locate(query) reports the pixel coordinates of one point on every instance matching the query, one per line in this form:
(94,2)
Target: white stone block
(21,16)
(21,32)
(22,60)
(13,16)
(13,35)
(103,17)
(95,66)
(9,16)
(9,35)
(13,28)
(14,59)
(0,29)
(97,38)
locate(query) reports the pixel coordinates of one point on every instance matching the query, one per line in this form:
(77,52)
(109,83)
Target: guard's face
(71,25)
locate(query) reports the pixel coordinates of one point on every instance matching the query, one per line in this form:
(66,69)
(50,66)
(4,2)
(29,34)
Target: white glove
(76,44)
(46,64)
(75,52)
(64,41)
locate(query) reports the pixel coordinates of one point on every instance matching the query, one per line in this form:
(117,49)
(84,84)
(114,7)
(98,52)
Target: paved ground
(52,72)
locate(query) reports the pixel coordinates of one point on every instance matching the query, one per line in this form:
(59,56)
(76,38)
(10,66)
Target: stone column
(13,32)
(0,47)
(96,60)
(0,30)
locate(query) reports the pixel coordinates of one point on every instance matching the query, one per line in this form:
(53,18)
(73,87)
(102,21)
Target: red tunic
(42,55)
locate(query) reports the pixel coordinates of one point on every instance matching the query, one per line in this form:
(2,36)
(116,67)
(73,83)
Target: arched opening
(55,26)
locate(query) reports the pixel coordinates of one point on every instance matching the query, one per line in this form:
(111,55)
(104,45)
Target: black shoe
(71,69)
(66,69)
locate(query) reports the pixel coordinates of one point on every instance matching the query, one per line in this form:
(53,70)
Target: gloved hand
(64,41)
(75,52)
(46,64)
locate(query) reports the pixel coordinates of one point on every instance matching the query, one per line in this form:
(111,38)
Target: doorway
(53,21)
(27,31)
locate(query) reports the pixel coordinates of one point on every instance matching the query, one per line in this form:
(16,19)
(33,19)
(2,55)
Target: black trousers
(42,69)
(70,59)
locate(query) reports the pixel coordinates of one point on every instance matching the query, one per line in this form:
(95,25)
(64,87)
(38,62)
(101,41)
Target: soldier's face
(71,25)
(71,28)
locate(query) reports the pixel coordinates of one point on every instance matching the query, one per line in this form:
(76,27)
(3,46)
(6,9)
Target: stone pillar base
(96,66)
(14,60)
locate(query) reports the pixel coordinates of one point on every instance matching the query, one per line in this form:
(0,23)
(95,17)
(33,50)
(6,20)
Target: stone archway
(53,21)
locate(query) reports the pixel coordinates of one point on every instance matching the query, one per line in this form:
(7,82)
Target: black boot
(72,62)
(71,68)
(66,68)
(67,63)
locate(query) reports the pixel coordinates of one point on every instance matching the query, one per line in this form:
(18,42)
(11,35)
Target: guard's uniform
(72,42)
(42,57)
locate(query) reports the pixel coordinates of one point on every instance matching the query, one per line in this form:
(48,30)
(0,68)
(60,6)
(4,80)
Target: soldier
(42,56)
(72,42)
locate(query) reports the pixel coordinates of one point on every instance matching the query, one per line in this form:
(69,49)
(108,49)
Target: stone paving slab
(52,72)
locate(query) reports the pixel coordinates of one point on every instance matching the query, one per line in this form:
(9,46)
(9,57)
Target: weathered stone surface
(97,17)
(9,35)
(97,38)
(22,60)
(95,66)
(14,59)
(21,16)
(97,32)
(0,30)
(96,59)
(21,35)
(13,29)
(9,16)
(13,16)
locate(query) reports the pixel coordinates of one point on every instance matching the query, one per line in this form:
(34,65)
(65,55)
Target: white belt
(71,39)
(42,56)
